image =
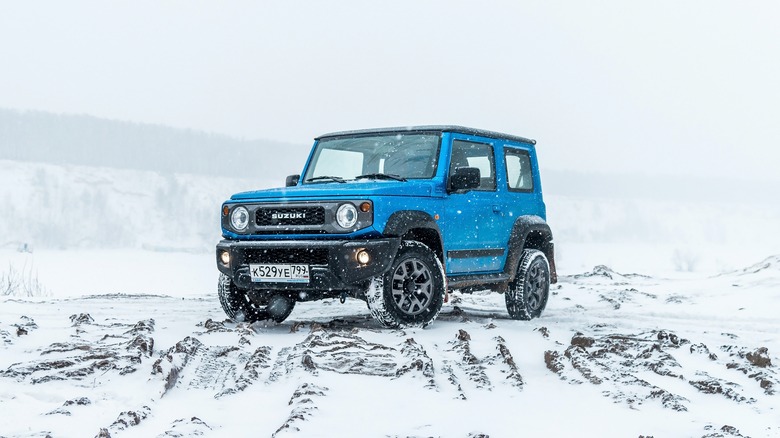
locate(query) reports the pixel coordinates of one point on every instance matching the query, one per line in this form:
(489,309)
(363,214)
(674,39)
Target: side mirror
(292,180)
(465,179)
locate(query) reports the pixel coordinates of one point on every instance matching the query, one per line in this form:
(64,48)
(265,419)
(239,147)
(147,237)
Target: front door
(475,238)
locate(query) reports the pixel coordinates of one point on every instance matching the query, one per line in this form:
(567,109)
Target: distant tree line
(91,141)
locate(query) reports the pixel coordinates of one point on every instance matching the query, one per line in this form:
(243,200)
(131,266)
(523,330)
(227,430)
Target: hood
(349,189)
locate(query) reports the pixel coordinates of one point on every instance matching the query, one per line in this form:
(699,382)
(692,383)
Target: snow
(71,207)
(704,274)
(374,402)
(79,272)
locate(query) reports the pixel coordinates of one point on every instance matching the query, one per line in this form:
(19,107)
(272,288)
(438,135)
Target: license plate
(279,273)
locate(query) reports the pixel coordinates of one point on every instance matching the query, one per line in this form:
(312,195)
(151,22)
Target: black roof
(430,128)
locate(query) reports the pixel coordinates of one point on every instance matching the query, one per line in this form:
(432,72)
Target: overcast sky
(682,87)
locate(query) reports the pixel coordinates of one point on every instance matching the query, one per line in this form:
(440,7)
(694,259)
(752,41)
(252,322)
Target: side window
(518,170)
(479,155)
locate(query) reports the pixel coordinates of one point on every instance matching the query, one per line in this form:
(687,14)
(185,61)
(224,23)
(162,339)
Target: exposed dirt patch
(703,349)
(257,362)
(754,363)
(125,420)
(554,363)
(471,366)
(86,352)
(343,352)
(725,431)
(580,340)
(711,385)
(417,363)
(227,326)
(617,361)
(23,327)
(186,427)
(513,375)
(171,364)
(304,405)
(759,358)
(81,319)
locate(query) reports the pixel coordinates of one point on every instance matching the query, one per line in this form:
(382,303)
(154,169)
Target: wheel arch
(530,232)
(416,225)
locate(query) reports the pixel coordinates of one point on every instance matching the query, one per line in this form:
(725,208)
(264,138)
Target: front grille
(290,216)
(303,256)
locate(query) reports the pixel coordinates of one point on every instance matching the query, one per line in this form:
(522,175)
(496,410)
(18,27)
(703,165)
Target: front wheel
(411,292)
(240,307)
(528,293)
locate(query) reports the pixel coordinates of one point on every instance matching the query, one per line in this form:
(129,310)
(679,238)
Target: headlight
(347,216)
(239,219)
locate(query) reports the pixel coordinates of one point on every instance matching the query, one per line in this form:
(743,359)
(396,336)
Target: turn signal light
(365,207)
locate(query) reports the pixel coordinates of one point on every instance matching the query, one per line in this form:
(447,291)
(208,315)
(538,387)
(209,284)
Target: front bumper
(332,263)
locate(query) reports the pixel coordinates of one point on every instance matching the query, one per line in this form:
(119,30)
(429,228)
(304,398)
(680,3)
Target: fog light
(362,257)
(225,257)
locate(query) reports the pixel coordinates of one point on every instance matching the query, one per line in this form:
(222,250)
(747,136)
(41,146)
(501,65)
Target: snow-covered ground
(676,335)
(613,355)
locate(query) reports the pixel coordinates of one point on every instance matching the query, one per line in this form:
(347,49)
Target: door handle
(496,209)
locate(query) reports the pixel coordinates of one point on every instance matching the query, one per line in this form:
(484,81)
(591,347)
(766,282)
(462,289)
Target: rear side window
(518,170)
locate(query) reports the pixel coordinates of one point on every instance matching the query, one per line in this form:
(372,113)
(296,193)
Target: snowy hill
(78,207)
(83,140)
(657,236)
(64,206)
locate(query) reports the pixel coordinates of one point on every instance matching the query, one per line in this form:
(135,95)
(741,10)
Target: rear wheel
(411,292)
(240,307)
(528,293)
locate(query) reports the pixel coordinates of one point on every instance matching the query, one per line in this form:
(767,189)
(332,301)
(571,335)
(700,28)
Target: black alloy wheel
(411,292)
(239,307)
(528,293)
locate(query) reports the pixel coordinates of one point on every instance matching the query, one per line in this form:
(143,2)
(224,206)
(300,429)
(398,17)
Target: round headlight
(239,219)
(347,216)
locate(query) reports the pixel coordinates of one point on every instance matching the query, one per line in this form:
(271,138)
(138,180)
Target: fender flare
(523,227)
(401,222)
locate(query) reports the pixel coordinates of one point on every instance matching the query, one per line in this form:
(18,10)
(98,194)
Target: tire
(239,307)
(411,292)
(528,293)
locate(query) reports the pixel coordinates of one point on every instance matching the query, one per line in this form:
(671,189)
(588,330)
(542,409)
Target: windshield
(394,156)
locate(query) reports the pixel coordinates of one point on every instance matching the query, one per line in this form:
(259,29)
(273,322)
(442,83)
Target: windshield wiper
(326,177)
(381,176)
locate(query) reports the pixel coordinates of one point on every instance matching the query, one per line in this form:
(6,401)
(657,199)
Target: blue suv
(396,217)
